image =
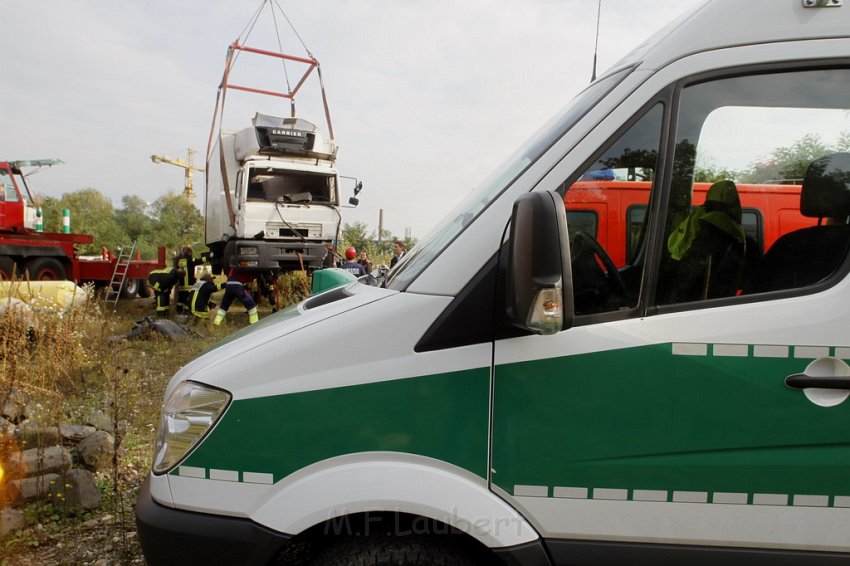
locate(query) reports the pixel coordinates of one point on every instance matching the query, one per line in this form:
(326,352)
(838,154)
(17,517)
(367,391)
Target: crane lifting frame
(313,64)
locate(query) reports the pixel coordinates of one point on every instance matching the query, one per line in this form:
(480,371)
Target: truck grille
(294,233)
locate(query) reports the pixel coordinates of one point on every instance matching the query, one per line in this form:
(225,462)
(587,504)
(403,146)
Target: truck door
(662,420)
(6,186)
(11,202)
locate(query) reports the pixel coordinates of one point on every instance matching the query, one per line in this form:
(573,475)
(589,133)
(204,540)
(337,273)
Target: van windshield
(452,225)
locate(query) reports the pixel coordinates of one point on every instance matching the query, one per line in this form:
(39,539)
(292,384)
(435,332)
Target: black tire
(45,269)
(130,288)
(8,268)
(392,551)
(144,291)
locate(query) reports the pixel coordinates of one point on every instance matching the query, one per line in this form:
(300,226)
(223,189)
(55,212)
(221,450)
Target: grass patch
(66,368)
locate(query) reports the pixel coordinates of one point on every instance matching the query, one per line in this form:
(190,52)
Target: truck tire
(45,269)
(8,268)
(144,291)
(389,551)
(130,288)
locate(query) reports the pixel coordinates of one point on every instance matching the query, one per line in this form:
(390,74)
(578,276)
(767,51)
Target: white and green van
(509,395)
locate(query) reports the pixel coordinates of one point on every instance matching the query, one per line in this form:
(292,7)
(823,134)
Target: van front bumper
(174,536)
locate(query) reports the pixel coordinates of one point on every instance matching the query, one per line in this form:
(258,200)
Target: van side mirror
(539,282)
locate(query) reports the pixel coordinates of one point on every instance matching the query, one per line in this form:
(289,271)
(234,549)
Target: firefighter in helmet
(351,264)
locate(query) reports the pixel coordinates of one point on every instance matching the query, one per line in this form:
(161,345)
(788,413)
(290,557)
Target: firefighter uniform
(235,289)
(162,281)
(199,296)
(184,261)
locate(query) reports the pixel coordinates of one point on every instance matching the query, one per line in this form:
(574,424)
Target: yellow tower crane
(187,166)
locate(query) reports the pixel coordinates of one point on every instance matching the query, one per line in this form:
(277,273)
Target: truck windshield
(452,225)
(286,185)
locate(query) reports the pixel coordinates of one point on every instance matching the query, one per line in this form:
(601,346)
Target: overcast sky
(426,97)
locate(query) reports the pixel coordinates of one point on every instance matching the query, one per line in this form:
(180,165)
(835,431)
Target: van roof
(716,24)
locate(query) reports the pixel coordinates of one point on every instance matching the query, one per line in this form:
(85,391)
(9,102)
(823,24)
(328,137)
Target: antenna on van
(596,43)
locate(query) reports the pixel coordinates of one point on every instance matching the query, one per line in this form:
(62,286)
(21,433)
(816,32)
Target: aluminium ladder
(119,274)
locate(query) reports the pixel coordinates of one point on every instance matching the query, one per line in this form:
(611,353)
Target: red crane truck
(27,251)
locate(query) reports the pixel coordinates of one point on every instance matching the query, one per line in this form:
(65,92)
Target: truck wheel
(7,268)
(129,288)
(408,551)
(45,269)
(144,291)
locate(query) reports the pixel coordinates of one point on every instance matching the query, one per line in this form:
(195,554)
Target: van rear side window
(769,148)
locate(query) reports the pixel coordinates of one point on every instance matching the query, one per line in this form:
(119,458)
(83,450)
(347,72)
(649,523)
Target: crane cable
(311,56)
(283,63)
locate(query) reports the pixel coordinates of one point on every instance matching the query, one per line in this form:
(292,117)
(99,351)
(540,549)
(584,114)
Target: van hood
(311,311)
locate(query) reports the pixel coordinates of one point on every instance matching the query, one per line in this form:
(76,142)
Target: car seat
(812,254)
(707,249)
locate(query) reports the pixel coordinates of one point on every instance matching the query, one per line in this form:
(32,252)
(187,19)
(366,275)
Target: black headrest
(826,187)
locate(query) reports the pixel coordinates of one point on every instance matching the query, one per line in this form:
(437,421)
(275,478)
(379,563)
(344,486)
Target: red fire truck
(27,251)
(614,212)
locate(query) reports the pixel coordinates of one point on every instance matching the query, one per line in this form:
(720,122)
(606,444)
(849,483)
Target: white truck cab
(510,395)
(272,198)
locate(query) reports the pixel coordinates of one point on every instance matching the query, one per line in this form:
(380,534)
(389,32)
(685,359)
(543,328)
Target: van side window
(619,177)
(760,189)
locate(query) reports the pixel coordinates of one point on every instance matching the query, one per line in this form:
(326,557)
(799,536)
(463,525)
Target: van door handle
(803,381)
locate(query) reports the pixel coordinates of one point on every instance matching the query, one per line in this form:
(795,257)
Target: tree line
(170,221)
(787,163)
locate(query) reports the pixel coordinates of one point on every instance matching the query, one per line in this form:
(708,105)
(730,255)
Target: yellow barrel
(44,294)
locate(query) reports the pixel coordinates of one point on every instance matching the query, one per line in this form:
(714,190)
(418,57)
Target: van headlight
(188,414)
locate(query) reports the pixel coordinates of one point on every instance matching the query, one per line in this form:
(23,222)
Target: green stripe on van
(706,418)
(442,416)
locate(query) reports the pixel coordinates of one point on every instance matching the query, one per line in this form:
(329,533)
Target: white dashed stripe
(770,351)
(570,492)
(224,475)
(725,498)
(758,351)
(811,352)
(731,350)
(770,499)
(683,349)
(255,477)
(661,496)
(649,495)
(192,472)
(610,494)
(690,497)
(531,490)
(811,501)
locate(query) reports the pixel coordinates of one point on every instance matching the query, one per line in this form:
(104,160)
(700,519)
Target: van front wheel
(386,551)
